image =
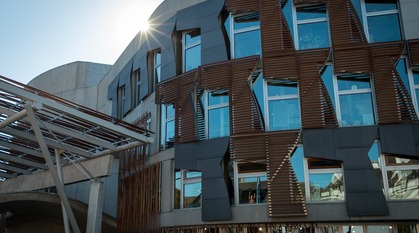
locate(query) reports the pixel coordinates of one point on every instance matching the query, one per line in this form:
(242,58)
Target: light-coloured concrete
(94,213)
(98,167)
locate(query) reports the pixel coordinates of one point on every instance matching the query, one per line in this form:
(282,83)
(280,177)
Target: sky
(38,35)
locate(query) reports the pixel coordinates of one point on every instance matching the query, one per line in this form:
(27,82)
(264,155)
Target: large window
(217,114)
(355,100)
(191,50)
(403,177)
(325,180)
(311,27)
(188,189)
(283,105)
(410,78)
(167,126)
(245,39)
(252,183)
(154,69)
(381,20)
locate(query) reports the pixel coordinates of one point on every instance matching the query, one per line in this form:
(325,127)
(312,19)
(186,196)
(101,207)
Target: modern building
(268,116)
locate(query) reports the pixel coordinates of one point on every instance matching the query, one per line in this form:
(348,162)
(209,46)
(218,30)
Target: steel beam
(54,174)
(25,162)
(60,175)
(14,169)
(13,118)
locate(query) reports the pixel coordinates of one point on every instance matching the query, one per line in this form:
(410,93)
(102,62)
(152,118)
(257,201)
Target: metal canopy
(79,132)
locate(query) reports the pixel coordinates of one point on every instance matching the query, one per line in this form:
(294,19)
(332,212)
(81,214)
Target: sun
(144,25)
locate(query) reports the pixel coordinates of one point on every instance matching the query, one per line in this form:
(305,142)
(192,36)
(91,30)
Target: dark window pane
(382,5)
(192,37)
(400,161)
(247,44)
(281,89)
(323,164)
(251,167)
(246,21)
(192,58)
(353,83)
(357,109)
(311,12)
(313,35)
(416,76)
(384,28)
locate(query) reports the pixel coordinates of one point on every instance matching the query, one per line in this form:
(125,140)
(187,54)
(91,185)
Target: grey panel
(366,204)
(211,168)
(213,148)
(319,143)
(214,188)
(351,145)
(416,133)
(185,156)
(144,78)
(168,63)
(397,139)
(187,18)
(125,79)
(216,210)
(112,95)
(353,137)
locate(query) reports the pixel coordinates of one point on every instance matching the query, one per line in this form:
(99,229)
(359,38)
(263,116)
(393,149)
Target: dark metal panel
(144,78)
(213,148)
(185,156)
(397,139)
(165,35)
(366,204)
(362,181)
(355,137)
(125,79)
(216,210)
(319,143)
(359,159)
(214,189)
(113,95)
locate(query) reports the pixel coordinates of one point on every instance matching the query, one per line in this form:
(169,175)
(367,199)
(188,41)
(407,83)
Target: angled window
(154,69)
(402,176)
(311,27)
(121,101)
(282,105)
(217,114)
(354,101)
(251,183)
(157,67)
(381,20)
(297,162)
(245,35)
(135,88)
(191,50)
(410,78)
(188,189)
(325,180)
(167,128)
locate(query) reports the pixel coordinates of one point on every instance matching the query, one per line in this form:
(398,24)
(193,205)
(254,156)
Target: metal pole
(60,176)
(50,163)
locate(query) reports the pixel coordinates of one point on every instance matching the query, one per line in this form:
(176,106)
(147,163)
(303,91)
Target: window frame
(186,47)
(208,108)
(366,14)
(268,98)
(237,176)
(308,21)
(184,181)
(339,93)
(163,126)
(233,32)
(121,95)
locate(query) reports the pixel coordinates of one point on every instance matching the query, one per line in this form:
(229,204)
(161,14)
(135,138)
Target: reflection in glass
(353,229)
(379,229)
(218,122)
(384,28)
(170,131)
(247,44)
(192,37)
(327,187)
(399,161)
(284,114)
(311,12)
(402,71)
(327,77)
(354,83)
(404,228)
(374,5)
(177,189)
(374,156)
(298,167)
(192,195)
(416,76)
(192,174)
(403,184)
(253,190)
(356,109)
(214,99)
(313,35)
(246,21)
(192,57)
(282,89)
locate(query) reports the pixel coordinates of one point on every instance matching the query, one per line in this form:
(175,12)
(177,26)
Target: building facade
(271,116)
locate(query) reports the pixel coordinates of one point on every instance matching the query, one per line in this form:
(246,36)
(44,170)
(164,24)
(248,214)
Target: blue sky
(36,36)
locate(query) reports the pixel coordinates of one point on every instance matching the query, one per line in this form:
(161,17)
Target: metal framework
(40,132)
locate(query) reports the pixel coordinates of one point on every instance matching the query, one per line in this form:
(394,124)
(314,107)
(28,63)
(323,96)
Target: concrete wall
(409,11)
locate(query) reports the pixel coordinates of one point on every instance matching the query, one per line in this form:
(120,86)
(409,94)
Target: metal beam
(45,152)
(19,160)
(14,169)
(7,176)
(118,149)
(70,132)
(74,112)
(22,149)
(13,118)
(49,142)
(60,175)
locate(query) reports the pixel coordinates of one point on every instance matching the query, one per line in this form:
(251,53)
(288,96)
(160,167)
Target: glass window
(403,177)
(167,126)
(410,78)
(188,186)
(217,114)
(325,180)
(382,19)
(283,105)
(297,162)
(121,102)
(246,35)
(311,27)
(191,50)
(156,77)
(252,183)
(355,100)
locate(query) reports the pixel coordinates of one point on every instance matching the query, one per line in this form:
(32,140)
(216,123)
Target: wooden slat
(414,52)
